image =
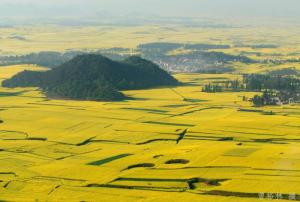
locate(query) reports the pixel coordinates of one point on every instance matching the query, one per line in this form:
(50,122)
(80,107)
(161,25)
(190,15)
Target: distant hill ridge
(94,77)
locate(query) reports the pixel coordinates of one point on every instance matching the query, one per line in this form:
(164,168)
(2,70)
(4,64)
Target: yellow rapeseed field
(63,150)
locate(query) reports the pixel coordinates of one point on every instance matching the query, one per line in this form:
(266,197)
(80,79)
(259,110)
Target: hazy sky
(215,8)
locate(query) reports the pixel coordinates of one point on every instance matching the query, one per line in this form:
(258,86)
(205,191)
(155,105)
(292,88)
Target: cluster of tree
(47,59)
(262,100)
(94,77)
(290,71)
(158,47)
(165,47)
(261,82)
(227,85)
(205,46)
(53,59)
(280,61)
(223,57)
(115,53)
(273,97)
(212,88)
(276,89)
(20,38)
(214,69)
(264,46)
(257,46)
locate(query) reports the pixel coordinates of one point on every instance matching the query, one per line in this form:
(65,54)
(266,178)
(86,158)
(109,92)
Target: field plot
(257,42)
(177,144)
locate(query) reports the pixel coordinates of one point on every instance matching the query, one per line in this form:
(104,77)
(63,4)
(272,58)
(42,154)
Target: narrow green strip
(107,160)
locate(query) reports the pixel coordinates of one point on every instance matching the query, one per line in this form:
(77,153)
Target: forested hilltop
(94,77)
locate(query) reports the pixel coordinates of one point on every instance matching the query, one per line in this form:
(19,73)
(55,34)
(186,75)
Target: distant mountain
(94,77)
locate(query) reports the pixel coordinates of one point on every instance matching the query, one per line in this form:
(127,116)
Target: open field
(126,151)
(26,39)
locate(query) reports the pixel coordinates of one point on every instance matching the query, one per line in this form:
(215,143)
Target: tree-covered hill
(94,77)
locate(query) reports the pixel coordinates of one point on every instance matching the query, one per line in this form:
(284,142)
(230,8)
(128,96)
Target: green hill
(94,77)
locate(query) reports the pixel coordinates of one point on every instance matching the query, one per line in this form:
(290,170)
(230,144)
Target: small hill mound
(94,77)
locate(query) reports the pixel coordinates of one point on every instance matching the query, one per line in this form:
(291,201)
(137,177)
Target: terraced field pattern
(165,144)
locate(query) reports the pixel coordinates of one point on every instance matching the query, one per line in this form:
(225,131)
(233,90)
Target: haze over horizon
(165,8)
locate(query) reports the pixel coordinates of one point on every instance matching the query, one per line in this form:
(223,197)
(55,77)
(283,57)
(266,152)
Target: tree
(258,101)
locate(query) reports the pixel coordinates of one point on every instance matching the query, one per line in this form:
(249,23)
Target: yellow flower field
(63,150)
